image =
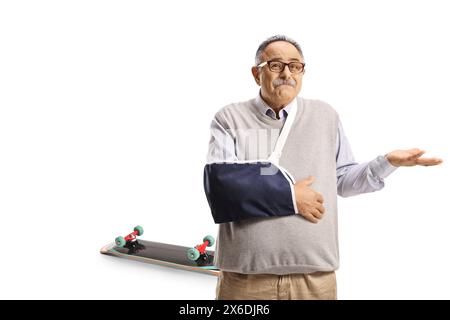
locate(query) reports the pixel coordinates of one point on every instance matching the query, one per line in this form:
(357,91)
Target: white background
(104,124)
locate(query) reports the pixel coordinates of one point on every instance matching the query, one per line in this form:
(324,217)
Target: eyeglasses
(278,66)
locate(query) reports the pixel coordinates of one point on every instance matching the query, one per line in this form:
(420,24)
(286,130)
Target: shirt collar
(265,109)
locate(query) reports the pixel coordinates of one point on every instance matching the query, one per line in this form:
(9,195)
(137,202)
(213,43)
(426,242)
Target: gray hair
(268,41)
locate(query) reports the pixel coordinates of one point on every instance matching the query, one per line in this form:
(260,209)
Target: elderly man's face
(275,94)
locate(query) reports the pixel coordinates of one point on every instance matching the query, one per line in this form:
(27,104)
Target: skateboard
(188,258)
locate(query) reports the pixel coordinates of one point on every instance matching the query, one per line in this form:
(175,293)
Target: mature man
(275,203)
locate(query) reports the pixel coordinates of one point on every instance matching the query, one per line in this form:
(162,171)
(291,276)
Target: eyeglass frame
(262,64)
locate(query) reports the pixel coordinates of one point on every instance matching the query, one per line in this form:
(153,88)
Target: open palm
(411,157)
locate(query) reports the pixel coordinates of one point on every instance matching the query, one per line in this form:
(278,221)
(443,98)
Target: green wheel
(193,254)
(210,239)
(140,230)
(120,242)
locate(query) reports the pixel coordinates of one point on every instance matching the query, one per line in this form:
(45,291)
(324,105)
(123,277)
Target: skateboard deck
(162,254)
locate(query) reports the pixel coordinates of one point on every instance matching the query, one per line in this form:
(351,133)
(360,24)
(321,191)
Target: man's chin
(284,90)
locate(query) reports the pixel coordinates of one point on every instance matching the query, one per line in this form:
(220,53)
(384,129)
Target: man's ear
(255,73)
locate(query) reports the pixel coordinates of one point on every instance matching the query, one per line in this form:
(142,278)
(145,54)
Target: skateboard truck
(122,241)
(199,252)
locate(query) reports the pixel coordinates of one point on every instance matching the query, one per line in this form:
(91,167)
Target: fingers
(320,208)
(319,198)
(428,161)
(311,218)
(416,154)
(315,214)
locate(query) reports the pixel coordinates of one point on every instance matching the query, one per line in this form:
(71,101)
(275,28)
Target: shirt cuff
(381,167)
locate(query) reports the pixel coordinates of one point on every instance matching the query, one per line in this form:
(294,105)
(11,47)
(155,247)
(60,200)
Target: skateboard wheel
(120,242)
(140,230)
(193,254)
(210,239)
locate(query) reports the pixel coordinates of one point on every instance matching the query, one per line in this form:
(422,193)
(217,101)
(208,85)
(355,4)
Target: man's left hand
(411,157)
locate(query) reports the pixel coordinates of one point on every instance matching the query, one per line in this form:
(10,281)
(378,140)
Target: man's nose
(286,73)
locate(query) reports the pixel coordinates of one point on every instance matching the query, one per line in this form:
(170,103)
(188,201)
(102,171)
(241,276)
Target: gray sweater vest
(290,244)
